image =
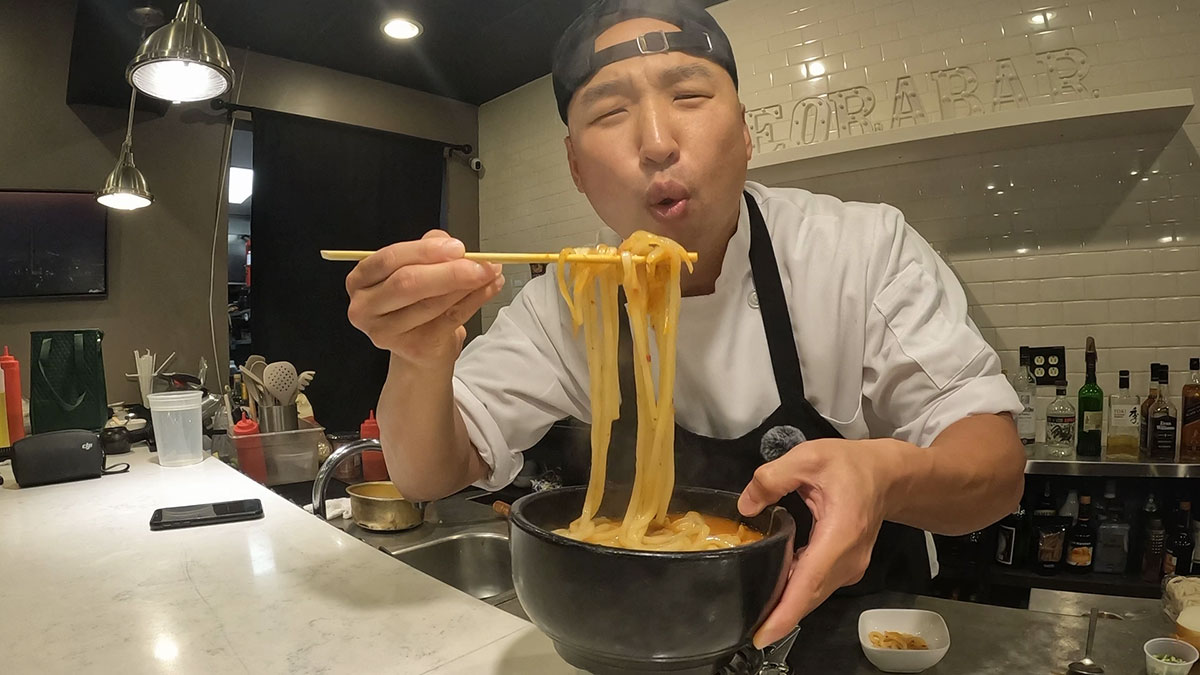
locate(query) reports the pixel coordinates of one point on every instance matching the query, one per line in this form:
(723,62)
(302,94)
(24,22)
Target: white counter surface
(86,587)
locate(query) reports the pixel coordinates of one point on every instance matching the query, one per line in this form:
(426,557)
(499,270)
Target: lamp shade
(125,188)
(182,61)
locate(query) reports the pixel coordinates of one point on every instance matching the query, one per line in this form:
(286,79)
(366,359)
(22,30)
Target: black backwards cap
(576,59)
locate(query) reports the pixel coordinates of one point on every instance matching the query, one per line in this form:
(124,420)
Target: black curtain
(321,185)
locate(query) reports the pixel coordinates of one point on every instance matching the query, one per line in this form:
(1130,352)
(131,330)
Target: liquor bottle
(1137,533)
(1049,535)
(1012,539)
(1025,385)
(1144,420)
(1163,419)
(1081,540)
(1091,409)
(1177,555)
(1112,537)
(1152,550)
(1060,424)
(1123,423)
(1189,418)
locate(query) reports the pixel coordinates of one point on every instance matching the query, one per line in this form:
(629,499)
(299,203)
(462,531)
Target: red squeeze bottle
(374,468)
(251,459)
(12,393)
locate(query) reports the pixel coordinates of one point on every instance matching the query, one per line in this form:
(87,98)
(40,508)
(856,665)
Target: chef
(806,316)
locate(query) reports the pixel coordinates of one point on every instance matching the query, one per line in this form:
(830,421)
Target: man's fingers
(775,479)
(464,309)
(412,284)
(435,247)
(813,579)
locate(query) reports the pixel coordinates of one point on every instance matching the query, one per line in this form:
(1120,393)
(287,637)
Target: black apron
(899,561)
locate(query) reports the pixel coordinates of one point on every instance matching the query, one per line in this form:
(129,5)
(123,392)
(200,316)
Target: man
(856,322)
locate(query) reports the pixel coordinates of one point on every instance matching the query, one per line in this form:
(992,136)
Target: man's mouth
(668,200)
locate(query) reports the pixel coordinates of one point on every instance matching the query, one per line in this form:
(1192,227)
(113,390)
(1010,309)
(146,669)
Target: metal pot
(379,506)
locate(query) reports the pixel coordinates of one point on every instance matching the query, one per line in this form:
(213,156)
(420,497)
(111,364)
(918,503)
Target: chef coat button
(753,299)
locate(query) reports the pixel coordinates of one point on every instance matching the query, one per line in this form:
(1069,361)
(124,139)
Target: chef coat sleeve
(512,383)
(925,364)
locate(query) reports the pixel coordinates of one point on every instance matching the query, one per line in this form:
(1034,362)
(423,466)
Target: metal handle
(326,471)
(1087,652)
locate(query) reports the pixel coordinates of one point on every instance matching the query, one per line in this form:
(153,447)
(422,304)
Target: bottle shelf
(1105,469)
(1090,582)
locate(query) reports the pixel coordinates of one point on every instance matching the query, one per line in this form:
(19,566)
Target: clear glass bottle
(1189,417)
(1124,422)
(1163,421)
(1025,385)
(1091,409)
(1069,511)
(1060,425)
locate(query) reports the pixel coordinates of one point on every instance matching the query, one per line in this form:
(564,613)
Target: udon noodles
(652,294)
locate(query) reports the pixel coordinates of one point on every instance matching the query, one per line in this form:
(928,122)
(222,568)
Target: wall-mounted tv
(52,244)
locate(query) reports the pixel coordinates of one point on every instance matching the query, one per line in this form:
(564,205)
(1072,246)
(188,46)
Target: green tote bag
(66,381)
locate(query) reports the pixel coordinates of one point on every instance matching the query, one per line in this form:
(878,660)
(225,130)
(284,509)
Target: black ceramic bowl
(610,610)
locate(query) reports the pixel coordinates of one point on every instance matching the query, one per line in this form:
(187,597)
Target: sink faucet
(331,464)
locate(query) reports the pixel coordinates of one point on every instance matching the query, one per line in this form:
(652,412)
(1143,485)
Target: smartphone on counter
(173,517)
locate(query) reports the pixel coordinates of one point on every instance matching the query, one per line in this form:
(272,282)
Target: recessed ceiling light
(401,28)
(1022,250)
(816,69)
(1041,18)
(1166,240)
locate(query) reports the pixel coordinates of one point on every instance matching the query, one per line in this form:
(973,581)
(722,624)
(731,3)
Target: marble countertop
(86,587)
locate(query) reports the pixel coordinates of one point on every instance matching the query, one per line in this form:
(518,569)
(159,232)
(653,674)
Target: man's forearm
(429,455)
(970,477)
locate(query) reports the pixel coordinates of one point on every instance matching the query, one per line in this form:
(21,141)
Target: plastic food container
(178,435)
(1173,647)
(287,456)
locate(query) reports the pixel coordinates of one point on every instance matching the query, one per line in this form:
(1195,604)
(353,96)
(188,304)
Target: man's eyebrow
(600,91)
(677,74)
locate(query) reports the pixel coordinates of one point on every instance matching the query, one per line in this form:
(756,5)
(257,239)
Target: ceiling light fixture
(182,61)
(400,28)
(125,188)
(1041,18)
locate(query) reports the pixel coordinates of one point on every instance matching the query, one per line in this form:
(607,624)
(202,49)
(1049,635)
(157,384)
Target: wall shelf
(1097,469)
(1128,114)
(1090,582)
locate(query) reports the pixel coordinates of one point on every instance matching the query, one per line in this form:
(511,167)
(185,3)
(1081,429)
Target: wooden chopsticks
(508,258)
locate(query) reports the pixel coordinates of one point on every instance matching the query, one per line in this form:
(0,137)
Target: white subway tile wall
(1052,243)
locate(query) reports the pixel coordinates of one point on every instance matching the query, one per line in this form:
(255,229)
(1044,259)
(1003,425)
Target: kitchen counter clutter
(87,587)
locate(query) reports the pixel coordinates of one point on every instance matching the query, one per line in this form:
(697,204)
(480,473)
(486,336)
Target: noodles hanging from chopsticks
(652,301)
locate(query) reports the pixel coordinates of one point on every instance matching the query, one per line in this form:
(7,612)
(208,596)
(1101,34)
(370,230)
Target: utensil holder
(272,418)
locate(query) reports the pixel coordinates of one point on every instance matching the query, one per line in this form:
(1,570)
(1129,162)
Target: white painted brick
(1132,29)
(878,35)
(1016,291)
(1094,33)
(856,22)
(981,32)
(774,61)
(995,316)
(914,27)
(966,55)
(840,44)
(1008,47)
(806,52)
(925,63)
(1188,283)
(894,12)
(820,31)
(1039,313)
(1065,288)
(1045,41)
(863,57)
(1178,309)
(815,86)
(1183,259)
(898,49)
(887,71)
(788,74)
(1136,310)
(855,77)
(1087,311)
(943,39)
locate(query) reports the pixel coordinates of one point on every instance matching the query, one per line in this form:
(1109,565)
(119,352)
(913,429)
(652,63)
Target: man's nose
(659,147)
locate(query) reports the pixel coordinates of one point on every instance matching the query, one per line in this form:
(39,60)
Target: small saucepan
(379,506)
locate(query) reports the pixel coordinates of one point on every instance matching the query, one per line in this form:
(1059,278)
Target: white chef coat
(881,326)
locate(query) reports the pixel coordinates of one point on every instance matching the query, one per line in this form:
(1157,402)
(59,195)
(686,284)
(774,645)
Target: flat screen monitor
(52,244)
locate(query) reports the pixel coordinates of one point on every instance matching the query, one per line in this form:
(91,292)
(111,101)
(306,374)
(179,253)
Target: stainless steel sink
(476,563)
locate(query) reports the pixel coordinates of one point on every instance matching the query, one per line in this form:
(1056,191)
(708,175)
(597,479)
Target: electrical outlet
(1048,364)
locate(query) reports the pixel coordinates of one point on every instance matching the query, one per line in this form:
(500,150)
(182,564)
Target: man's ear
(573,163)
(746,135)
